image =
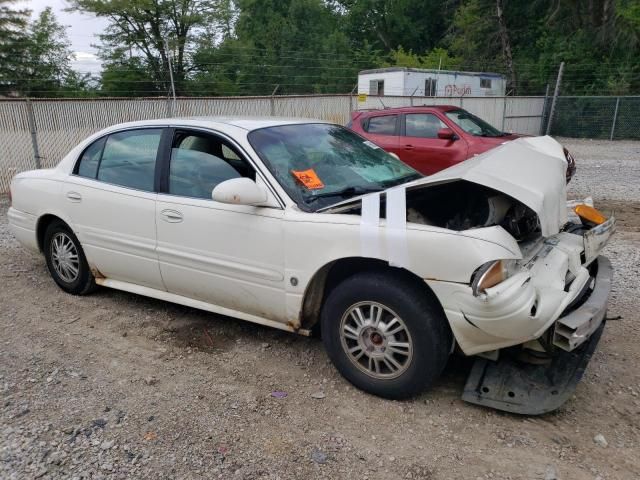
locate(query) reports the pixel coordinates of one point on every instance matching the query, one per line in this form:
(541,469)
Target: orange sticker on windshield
(308,178)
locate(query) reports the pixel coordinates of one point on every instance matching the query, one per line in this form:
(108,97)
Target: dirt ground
(114,385)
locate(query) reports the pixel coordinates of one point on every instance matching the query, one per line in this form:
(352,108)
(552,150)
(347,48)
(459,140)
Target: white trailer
(405,82)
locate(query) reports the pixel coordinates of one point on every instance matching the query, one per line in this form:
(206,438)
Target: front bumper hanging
(518,387)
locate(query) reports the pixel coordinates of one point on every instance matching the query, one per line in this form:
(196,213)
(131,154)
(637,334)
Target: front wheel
(386,334)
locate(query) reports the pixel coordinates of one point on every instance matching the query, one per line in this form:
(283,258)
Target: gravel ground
(114,385)
(606,170)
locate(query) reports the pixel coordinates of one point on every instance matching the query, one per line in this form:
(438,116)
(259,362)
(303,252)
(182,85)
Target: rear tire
(386,334)
(66,261)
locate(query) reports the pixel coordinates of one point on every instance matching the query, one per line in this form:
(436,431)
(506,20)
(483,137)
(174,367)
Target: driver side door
(228,255)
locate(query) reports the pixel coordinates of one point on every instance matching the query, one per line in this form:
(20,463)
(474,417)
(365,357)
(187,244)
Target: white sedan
(304,226)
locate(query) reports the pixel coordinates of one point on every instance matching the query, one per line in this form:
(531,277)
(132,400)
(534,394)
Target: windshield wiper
(349,191)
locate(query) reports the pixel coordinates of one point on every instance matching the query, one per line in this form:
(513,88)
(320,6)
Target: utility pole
(173,86)
(555,97)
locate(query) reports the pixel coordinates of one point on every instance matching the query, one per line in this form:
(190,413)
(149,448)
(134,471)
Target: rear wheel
(66,261)
(386,334)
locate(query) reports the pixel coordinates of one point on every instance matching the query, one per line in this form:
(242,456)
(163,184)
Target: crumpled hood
(530,169)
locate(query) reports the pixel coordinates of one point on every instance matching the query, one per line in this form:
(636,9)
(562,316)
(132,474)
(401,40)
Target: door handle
(171,216)
(408,147)
(74,196)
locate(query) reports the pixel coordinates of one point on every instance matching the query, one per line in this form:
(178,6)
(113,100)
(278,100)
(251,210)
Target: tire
(59,238)
(393,294)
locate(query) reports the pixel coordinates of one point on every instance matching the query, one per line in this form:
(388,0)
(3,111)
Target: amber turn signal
(487,276)
(590,214)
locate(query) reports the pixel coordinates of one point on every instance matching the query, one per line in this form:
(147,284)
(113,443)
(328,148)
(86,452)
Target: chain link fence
(39,133)
(610,118)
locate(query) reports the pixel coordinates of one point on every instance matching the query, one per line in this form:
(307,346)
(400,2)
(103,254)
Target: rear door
(384,130)
(111,200)
(421,147)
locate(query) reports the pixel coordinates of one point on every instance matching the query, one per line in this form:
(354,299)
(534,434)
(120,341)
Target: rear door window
(129,159)
(382,125)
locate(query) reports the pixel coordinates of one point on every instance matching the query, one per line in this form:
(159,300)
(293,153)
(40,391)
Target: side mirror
(239,191)
(447,134)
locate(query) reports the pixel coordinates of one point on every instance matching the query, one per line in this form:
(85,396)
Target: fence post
(34,136)
(555,97)
(615,117)
(173,86)
(544,110)
(411,99)
(272,101)
(351,109)
(504,111)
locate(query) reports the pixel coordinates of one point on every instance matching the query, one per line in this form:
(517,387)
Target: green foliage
(436,58)
(13,23)
(248,47)
(40,63)
(47,57)
(152,30)
(297,46)
(127,77)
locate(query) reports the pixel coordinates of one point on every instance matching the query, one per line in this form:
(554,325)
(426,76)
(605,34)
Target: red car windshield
(472,124)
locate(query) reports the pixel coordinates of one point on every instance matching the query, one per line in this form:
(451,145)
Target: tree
(436,58)
(143,26)
(416,25)
(297,45)
(505,40)
(12,43)
(124,76)
(46,61)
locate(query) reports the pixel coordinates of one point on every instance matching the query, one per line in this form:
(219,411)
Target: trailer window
(376,87)
(485,83)
(430,87)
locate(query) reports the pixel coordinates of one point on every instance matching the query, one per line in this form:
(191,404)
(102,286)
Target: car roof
(416,108)
(245,122)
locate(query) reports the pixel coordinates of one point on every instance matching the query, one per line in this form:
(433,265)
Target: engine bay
(463,205)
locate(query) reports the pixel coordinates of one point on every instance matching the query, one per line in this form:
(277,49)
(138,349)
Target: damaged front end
(538,378)
(539,375)
(534,322)
(533,316)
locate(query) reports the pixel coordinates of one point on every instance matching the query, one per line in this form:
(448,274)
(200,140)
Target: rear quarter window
(87,166)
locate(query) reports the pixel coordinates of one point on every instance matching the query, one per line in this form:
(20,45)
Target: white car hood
(531,170)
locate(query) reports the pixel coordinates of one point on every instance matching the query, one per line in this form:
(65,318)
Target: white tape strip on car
(397,249)
(370,226)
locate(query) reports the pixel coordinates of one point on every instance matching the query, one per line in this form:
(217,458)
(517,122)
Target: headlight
(489,275)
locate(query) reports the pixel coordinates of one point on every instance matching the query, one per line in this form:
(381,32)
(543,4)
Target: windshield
(472,124)
(320,164)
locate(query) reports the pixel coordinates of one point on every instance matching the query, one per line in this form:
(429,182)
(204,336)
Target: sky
(82,30)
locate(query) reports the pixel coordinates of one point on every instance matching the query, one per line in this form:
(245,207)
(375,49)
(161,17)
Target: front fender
(313,241)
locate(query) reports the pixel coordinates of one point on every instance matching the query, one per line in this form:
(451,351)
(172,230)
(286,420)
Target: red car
(432,138)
